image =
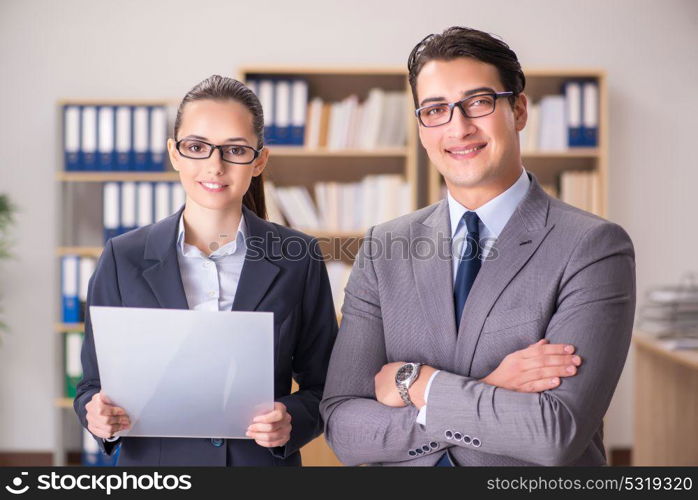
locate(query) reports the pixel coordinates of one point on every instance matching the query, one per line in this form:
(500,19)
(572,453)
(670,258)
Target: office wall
(131,49)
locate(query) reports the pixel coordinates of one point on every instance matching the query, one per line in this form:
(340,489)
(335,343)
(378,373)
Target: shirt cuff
(111,439)
(422,415)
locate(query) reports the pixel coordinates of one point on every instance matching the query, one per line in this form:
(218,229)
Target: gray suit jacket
(557,273)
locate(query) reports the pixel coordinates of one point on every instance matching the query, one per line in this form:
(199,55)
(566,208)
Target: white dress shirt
(493,215)
(211,281)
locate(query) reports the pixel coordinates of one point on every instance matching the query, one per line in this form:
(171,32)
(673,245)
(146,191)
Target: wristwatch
(404,378)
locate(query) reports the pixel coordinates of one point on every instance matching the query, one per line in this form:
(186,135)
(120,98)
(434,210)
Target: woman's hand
(535,369)
(103,418)
(271,429)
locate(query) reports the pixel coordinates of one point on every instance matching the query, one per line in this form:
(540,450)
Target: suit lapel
(434,279)
(163,275)
(165,280)
(258,272)
(518,241)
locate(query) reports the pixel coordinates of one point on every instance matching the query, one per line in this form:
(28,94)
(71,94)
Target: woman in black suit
(219,253)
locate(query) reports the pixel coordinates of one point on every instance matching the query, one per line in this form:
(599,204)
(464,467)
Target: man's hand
(536,368)
(386,390)
(103,418)
(271,429)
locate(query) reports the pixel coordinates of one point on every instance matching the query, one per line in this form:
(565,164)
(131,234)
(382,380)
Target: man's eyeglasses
(196,149)
(475,106)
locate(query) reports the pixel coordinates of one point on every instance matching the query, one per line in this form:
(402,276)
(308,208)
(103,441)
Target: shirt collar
(495,213)
(187,250)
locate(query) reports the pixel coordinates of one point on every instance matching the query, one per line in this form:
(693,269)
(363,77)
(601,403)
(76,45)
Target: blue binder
(141,139)
(590,114)
(282,112)
(573,102)
(111,210)
(123,141)
(70,289)
(158,138)
(266,97)
(71,137)
(88,139)
(106,122)
(299,111)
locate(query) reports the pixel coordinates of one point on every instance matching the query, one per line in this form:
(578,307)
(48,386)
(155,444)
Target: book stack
(115,138)
(378,122)
(129,205)
(671,314)
(563,121)
(341,207)
(579,188)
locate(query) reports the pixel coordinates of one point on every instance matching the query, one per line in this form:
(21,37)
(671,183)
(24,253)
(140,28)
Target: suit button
(419,451)
(412,453)
(448,434)
(217,442)
(426,448)
(466,439)
(457,436)
(476,443)
(434,445)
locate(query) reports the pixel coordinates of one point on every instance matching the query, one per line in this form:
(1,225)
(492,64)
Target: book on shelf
(291,117)
(559,122)
(377,123)
(579,188)
(115,138)
(341,207)
(129,205)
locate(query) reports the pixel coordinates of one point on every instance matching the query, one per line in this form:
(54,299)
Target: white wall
(133,49)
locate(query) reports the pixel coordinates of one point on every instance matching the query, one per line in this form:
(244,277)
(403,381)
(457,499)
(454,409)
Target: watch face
(404,373)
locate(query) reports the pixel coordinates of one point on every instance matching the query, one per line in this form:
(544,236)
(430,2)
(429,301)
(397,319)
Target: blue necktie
(469,264)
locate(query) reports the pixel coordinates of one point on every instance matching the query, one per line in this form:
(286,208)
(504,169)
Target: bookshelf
(79,219)
(303,166)
(549,166)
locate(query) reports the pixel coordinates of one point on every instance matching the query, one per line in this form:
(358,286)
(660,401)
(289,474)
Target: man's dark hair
(458,42)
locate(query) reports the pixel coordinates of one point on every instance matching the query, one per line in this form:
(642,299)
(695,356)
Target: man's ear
(174,155)
(520,111)
(260,163)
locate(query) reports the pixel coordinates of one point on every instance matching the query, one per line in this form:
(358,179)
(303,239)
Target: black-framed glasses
(197,149)
(475,106)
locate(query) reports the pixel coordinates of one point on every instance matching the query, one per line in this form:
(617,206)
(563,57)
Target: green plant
(7,211)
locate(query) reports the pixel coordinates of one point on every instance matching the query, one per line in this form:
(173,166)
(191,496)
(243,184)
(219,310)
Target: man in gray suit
(429,335)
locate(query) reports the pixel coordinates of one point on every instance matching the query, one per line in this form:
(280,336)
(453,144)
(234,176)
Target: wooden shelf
(117,176)
(325,70)
(119,102)
(569,153)
(345,153)
(81,251)
(63,403)
(319,233)
(68,327)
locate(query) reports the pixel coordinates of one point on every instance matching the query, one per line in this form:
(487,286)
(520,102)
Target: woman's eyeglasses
(196,149)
